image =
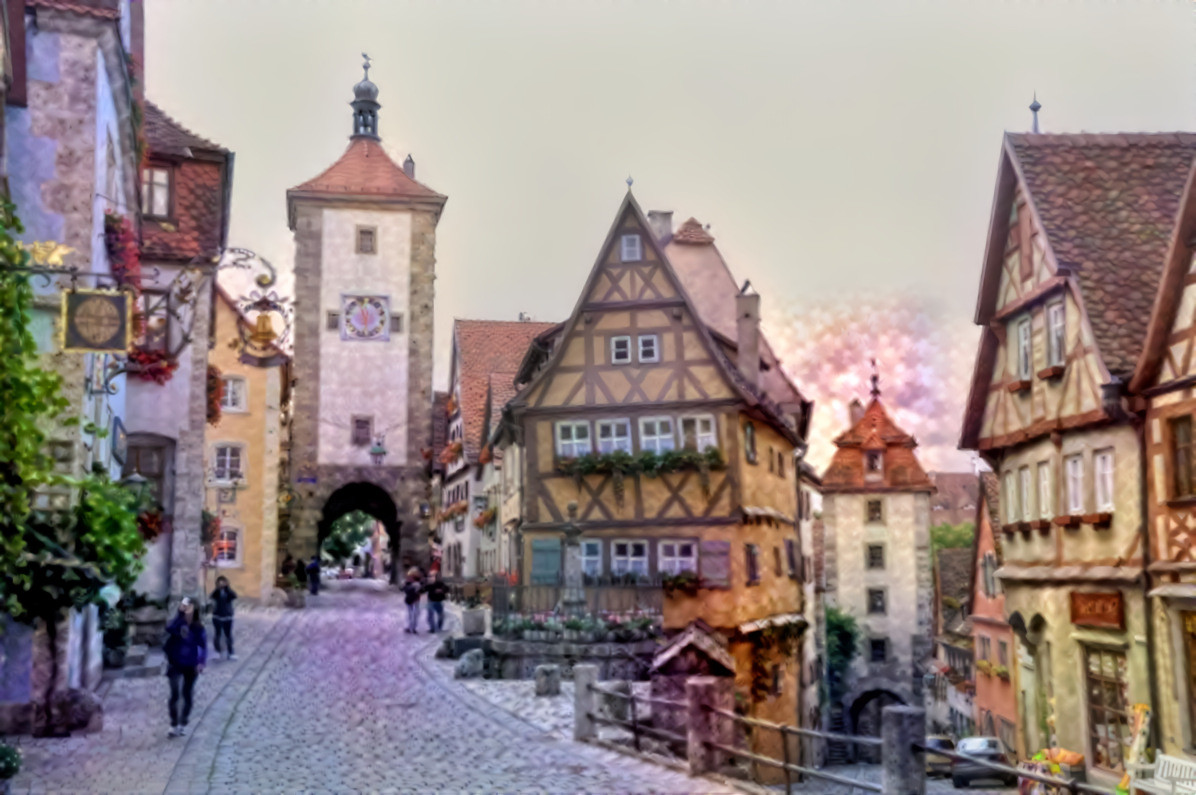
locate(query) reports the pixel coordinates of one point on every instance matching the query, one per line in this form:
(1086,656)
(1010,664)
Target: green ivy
(621,464)
(842,640)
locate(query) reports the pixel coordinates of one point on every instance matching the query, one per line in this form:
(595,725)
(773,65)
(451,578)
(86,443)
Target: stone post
(705,726)
(903,768)
(584,702)
(573,598)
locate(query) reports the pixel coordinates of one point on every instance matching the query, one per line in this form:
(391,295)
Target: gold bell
(263,332)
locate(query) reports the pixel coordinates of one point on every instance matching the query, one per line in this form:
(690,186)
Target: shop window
(1105,678)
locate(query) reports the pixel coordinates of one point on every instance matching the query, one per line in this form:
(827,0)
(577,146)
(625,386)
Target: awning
(773,621)
(756,512)
(1175,590)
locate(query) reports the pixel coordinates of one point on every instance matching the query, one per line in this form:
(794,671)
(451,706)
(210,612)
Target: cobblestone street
(331,698)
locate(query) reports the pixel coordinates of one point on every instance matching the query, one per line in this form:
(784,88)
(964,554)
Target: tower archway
(368,498)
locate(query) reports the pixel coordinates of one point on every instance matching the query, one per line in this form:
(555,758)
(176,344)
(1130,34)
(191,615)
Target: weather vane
(629,181)
(366,65)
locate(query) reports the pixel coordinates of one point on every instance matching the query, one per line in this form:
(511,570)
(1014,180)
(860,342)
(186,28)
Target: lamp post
(573,598)
(377,452)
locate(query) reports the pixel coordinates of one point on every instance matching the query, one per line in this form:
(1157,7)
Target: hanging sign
(96,321)
(1097,610)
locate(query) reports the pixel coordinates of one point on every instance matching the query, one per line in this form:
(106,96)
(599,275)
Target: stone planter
(589,637)
(296,598)
(571,635)
(114,657)
(473,621)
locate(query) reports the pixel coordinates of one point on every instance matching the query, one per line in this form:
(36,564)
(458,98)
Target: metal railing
(606,596)
(1064,784)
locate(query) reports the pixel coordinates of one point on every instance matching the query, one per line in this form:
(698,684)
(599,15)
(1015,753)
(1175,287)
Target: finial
(629,181)
(875,381)
(366,65)
(1035,106)
(571,509)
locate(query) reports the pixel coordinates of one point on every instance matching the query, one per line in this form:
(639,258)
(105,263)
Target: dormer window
(632,248)
(620,350)
(155,192)
(875,463)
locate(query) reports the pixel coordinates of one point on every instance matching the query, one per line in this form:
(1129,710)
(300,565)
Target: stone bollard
(705,726)
(618,707)
(584,702)
(903,768)
(548,680)
(471,665)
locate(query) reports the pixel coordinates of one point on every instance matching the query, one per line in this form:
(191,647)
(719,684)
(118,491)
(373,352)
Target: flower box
(1098,519)
(1019,386)
(1041,524)
(1068,521)
(1047,373)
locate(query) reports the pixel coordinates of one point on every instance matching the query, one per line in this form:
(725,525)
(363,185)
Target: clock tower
(365,255)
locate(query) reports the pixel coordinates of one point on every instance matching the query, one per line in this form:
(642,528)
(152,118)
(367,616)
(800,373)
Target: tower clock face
(367,317)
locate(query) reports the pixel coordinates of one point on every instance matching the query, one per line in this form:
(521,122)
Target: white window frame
(631,248)
(710,439)
(1025,349)
(1011,508)
(229,478)
(1105,465)
(1046,501)
(1056,334)
(235,408)
(624,564)
(673,562)
(657,438)
(879,458)
(573,442)
(619,442)
(639,347)
(614,350)
(1074,467)
(588,545)
(236,560)
(151,188)
(1023,493)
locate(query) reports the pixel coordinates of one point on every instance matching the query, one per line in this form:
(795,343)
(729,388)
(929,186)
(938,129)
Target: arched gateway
(365,242)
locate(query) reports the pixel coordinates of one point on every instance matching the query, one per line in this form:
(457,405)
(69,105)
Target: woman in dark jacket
(186,653)
(222,615)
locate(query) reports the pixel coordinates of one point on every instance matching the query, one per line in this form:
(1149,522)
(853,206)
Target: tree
(842,641)
(951,536)
(348,533)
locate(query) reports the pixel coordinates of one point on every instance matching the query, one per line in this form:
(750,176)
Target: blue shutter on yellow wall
(546,561)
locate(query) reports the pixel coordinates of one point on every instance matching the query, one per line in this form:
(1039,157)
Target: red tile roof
(166,136)
(482,348)
(366,170)
(691,232)
(1107,204)
(900,468)
(956,499)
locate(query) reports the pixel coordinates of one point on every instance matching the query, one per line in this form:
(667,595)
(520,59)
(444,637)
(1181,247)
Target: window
(1108,718)
(989,570)
(1181,457)
(228,463)
(629,557)
(986,649)
(1024,352)
(1075,484)
(649,348)
(749,442)
(152,463)
(227,548)
(878,649)
(876,601)
(781,463)
(677,556)
(876,556)
(1008,735)
(875,511)
(1045,500)
(1024,492)
(631,249)
(363,431)
(591,558)
(772,459)
(697,433)
(572,439)
(1056,334)
(332,321)
(233,398)
(614,435)
(155,192)
(1104,480)
(875,463)
(776,680)
(1011,512)
(154,333)
(656,434)
(776,561)
(1002,653)
(620,350)
(366,240)
(791,558)
(752,556)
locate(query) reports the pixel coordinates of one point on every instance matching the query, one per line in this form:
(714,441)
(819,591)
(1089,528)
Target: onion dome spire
(365,105)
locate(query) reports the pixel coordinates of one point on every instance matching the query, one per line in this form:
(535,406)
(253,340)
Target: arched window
(749,442)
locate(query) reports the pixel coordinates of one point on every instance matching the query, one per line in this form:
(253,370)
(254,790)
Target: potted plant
(555,629)
(572,629)
(1002,671)
(536,631)
(592,629)
(984,667)
(116,637)
(296,596)
(473,617)
(10,765)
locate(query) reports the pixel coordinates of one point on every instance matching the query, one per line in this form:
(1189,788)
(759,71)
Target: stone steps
(139,663)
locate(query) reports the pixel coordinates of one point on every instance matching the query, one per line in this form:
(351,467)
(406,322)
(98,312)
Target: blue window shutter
(546,561)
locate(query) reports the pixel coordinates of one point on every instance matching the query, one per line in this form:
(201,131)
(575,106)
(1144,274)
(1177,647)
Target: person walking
(313,575)
(411,591)
(288,565)
(186,653)
(437,592)
(222,616)
(301,573)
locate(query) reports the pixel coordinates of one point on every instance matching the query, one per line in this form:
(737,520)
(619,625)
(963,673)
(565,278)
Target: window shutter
(715,563)
(546,561)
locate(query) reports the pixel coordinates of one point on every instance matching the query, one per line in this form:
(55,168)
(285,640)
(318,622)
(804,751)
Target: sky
(844,153)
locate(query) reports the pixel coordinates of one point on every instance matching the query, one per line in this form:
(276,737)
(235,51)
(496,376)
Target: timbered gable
(1025,266)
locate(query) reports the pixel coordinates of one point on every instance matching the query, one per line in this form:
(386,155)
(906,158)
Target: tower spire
(1035,106)
(875,381)
(365,105)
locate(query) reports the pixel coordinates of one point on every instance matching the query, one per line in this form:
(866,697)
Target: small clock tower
(365,255)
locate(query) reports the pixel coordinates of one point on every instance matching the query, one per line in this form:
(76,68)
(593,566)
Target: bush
(10,761)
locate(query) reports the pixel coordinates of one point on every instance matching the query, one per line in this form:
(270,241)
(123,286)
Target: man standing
(313,575)
(437,591)
(411,591)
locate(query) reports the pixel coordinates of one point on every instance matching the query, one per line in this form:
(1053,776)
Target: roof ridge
(173,122)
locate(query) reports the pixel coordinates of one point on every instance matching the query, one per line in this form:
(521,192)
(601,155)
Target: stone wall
(517,659)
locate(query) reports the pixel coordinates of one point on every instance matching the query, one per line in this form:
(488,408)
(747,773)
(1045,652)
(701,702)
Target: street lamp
(377,452)
(135,482)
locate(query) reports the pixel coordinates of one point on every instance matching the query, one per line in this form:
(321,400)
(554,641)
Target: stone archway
(865,718)
(368,498)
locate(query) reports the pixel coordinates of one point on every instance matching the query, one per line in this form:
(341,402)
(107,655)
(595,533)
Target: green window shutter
(546,561)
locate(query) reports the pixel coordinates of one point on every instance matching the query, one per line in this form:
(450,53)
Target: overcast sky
(833,146)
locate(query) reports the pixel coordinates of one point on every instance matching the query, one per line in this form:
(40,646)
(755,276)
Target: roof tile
(166,136)
(900,468)
(366,170)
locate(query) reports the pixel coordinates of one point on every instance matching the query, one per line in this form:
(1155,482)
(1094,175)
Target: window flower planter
(1019,386)
(152,365)
(1040,524)
(1048,373)
(451,453)
(985,667)
(1098,519)
(1001,672)
(124,253)
(1023,527)
(484,518)
(1009,529)
(1072,520)
(215,394)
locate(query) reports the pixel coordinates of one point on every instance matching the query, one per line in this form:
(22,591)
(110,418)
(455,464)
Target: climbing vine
(842,640)
(775,642)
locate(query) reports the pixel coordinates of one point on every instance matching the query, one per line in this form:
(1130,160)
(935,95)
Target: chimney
(747,318)
(661,222)
(855,411)
(409,166)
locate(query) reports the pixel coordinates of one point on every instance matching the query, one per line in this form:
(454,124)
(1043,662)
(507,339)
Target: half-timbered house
(677,457)
(1076,245)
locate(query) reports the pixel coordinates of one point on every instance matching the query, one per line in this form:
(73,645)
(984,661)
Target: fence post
(703,725)
(903,768)
(584,676)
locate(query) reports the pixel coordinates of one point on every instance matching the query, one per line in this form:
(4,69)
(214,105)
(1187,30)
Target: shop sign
(1097,610)
(96,321)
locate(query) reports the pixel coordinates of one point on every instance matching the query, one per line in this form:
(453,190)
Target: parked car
(939,765)
(989,749)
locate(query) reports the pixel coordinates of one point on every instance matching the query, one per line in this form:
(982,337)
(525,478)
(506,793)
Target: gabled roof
(702,639)
(166,136)
(990,501)
(875,430)
(498,393)
(956,498)
(482,348)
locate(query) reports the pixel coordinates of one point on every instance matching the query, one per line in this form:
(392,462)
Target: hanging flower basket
(453,511)
(485,457)
(124,252)
(150,524)
(451,452)
(484,518)
(152,365)
(215,394)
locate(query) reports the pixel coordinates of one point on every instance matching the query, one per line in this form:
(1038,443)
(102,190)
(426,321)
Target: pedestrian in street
(437,591)
(411,591)
(186,652)
(301,572)
(222,615)
(313,575)
(288,565)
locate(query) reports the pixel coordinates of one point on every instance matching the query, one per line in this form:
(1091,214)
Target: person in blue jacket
(186,653)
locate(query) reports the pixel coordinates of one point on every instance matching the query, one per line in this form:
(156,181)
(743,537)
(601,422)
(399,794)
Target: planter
(1098,519)
(589,637)
(473,621)
(571,635)
(1067,521)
